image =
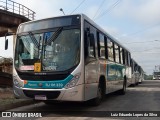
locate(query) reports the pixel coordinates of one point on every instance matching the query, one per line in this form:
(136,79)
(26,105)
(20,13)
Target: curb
(19,103)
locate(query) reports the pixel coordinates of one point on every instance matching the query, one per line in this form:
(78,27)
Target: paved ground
(6,93)
(7,100)
(144,97)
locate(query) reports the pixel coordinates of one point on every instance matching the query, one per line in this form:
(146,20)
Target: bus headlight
(16,82)
(73,81)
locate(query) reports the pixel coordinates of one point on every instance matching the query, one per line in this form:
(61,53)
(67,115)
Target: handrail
(17,8)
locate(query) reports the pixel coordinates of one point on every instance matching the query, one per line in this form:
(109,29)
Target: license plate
(40,97)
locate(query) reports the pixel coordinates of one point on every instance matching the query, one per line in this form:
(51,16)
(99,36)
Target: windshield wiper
(33,39)
(55,35)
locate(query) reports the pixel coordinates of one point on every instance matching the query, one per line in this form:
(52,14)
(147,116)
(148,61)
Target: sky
(134,23)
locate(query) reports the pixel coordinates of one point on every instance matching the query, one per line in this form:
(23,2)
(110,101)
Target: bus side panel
(129,75)
(91,80)
(74,94)
(103,72)
(120,73)
(115,74)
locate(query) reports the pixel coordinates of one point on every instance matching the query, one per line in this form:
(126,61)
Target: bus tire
(137,83)
(96,101)
(101,91)
(123,90)
(134,85)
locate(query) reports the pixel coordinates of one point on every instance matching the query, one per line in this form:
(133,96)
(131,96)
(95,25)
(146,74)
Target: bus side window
(116,53)
(131,65)
(90,37)
(101,45)
(110,49)
(85,44)
(106,50)
(124,56)
(129,59)
(91,45)
(121,55)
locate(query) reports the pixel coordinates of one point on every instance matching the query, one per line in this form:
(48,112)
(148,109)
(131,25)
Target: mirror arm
(6,40)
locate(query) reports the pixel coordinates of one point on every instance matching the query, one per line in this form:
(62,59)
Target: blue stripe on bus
(115,71)
(55,84)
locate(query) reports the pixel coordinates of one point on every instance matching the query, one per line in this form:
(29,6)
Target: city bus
(141,76)
(135,73)
(68,58)
(156,75)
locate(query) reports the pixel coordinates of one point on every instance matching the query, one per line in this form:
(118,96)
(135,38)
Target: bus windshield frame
(50,23)
(55,49)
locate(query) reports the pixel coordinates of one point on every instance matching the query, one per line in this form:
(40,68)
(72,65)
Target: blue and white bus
(156,75)
(135,73)
(141,75)
(68,58)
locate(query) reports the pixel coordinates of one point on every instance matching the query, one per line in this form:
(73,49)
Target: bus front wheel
(96,101)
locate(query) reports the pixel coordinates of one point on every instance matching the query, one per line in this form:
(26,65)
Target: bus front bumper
(71,94)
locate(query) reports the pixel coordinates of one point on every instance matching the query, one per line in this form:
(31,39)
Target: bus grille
(49,94)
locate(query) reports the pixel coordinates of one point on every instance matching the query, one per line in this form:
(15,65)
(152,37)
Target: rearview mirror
(6,44)
(6,40)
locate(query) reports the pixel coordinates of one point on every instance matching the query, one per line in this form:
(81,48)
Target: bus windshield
(55,50)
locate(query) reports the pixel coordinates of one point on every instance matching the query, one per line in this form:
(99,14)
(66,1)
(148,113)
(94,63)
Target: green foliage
(148,77)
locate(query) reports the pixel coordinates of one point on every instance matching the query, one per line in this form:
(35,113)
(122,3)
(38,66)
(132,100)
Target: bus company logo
(6,114)
(20,115)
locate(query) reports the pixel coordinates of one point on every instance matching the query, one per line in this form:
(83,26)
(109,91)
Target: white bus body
(97,65)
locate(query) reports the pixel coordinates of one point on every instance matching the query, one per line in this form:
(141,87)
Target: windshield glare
(55,51)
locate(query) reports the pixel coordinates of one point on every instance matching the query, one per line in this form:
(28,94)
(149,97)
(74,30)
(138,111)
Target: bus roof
(86,18)
(102,30)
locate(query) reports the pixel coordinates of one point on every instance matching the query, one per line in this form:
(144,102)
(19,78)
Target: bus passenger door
(91,67)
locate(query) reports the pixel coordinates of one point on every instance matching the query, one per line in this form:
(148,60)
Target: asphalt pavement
(143,98)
